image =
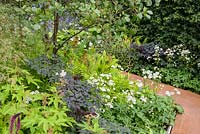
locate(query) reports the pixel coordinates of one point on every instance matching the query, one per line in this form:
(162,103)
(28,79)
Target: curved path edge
(189,121)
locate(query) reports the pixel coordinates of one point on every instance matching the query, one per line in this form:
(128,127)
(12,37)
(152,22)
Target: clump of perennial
(151,74)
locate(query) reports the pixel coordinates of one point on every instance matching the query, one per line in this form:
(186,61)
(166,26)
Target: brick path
(189,121)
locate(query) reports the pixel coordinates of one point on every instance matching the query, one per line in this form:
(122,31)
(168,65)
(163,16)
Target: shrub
(80,97)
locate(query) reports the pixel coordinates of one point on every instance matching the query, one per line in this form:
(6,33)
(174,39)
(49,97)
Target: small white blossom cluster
(156,55)
(117,67)
(151,74)
(131,97)
(109,104)
(139,83)
(169,52)
(62,73)
(34,92)
(90,45)
(104,82)
(179,50)
(171,93)
(29,99)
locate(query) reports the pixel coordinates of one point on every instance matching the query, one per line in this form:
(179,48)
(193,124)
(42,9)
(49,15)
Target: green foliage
(92,127)
(94,63)
(176,23)
(180,78)
(47,67)
(41,112)
(127,106)
(143,117)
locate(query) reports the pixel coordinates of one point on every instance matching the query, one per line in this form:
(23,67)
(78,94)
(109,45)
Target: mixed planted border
(64,83)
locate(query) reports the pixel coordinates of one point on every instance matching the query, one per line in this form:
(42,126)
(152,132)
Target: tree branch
(67,39)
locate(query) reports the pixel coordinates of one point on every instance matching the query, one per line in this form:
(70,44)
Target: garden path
(189,121)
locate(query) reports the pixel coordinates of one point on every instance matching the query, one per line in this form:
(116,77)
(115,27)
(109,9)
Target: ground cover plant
(63,84)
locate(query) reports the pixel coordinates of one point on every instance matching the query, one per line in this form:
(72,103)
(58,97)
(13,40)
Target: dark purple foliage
(12,121)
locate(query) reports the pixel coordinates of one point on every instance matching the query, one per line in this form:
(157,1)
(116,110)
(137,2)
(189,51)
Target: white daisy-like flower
(107,96)
(167,93)
(177,91)
(63,73)
(109,104)
(130,82)
(28,100)
(111,83)
(144,99)
(90,44)
(113,66)
(131,99)
(103,89)
(139,84)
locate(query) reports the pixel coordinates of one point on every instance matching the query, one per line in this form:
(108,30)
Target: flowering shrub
(173,65)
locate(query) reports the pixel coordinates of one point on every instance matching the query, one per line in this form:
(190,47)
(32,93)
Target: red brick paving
(189,121)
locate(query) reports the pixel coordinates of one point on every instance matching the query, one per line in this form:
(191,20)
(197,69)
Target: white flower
(167,93)
(95,80)
(103,89)
(109,104)
(185,52)
(28,100)
(150,76)
(57,73)
(144,99)
(139,84)
(72,39)
(113,66)
(107,96)
(63,73)
(90,44)
(111,83)
(177,91)
(130,83)
(34,92)
(131,99)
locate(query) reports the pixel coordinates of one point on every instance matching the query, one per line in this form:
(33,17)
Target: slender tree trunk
(55,30)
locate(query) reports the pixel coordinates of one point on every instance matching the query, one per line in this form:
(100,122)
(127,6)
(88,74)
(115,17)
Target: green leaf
(140,15)
(179,109)
(36,27)
(150,12)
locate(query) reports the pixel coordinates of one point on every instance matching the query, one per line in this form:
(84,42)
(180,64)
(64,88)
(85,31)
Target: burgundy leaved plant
(12,121)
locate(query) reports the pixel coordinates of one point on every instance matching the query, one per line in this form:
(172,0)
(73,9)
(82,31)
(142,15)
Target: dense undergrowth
(166,45)
(54,88)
